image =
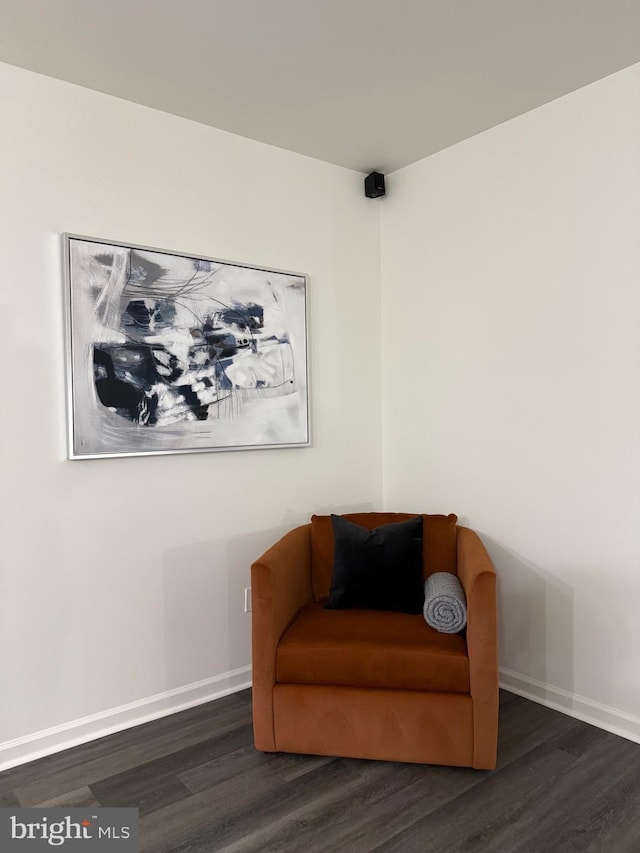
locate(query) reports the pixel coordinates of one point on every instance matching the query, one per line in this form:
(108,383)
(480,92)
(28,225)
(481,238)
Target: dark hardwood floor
(561,785)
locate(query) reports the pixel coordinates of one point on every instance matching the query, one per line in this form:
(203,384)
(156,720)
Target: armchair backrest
(438,544)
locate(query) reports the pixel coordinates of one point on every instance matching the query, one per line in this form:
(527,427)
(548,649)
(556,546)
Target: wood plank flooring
(561,786)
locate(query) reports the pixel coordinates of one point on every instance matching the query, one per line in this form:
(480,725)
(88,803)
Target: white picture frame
(170,352)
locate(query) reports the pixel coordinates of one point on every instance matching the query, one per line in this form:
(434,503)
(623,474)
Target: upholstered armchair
(368,683)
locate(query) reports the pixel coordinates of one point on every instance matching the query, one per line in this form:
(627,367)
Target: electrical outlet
(247,599)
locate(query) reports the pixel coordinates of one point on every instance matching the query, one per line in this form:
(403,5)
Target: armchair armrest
(280,587)
(478,578)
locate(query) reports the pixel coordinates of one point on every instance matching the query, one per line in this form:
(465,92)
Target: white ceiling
(362,83)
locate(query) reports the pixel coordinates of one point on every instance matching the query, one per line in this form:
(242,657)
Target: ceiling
(367,84)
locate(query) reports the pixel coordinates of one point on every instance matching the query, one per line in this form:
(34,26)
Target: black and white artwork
(172,353)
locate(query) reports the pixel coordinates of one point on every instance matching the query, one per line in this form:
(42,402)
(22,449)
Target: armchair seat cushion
(369,648)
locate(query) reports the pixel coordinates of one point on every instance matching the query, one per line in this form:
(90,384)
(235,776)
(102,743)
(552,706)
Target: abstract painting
(172,353)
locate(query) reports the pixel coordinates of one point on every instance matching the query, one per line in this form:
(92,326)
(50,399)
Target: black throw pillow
(378,569)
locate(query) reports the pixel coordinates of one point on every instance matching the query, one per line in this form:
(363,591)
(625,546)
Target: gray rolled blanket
(445,605)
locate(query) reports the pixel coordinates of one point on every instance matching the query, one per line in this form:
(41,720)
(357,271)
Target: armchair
(373,684)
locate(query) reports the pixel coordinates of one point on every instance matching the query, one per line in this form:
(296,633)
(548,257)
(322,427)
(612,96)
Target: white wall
(511,377)
(123,579)
(511,365)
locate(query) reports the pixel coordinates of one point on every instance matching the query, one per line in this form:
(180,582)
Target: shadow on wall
(535,619)
(205,629)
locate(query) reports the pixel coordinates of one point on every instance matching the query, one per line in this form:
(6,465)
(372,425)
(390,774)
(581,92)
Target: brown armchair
(373,684)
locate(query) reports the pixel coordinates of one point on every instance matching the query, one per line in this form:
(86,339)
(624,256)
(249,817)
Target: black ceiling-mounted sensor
(374,185)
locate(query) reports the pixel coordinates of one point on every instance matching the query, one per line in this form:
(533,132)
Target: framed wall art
(174,353)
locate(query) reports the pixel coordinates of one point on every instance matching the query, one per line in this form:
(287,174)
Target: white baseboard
(605,717)
(48,741)
(57,738)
